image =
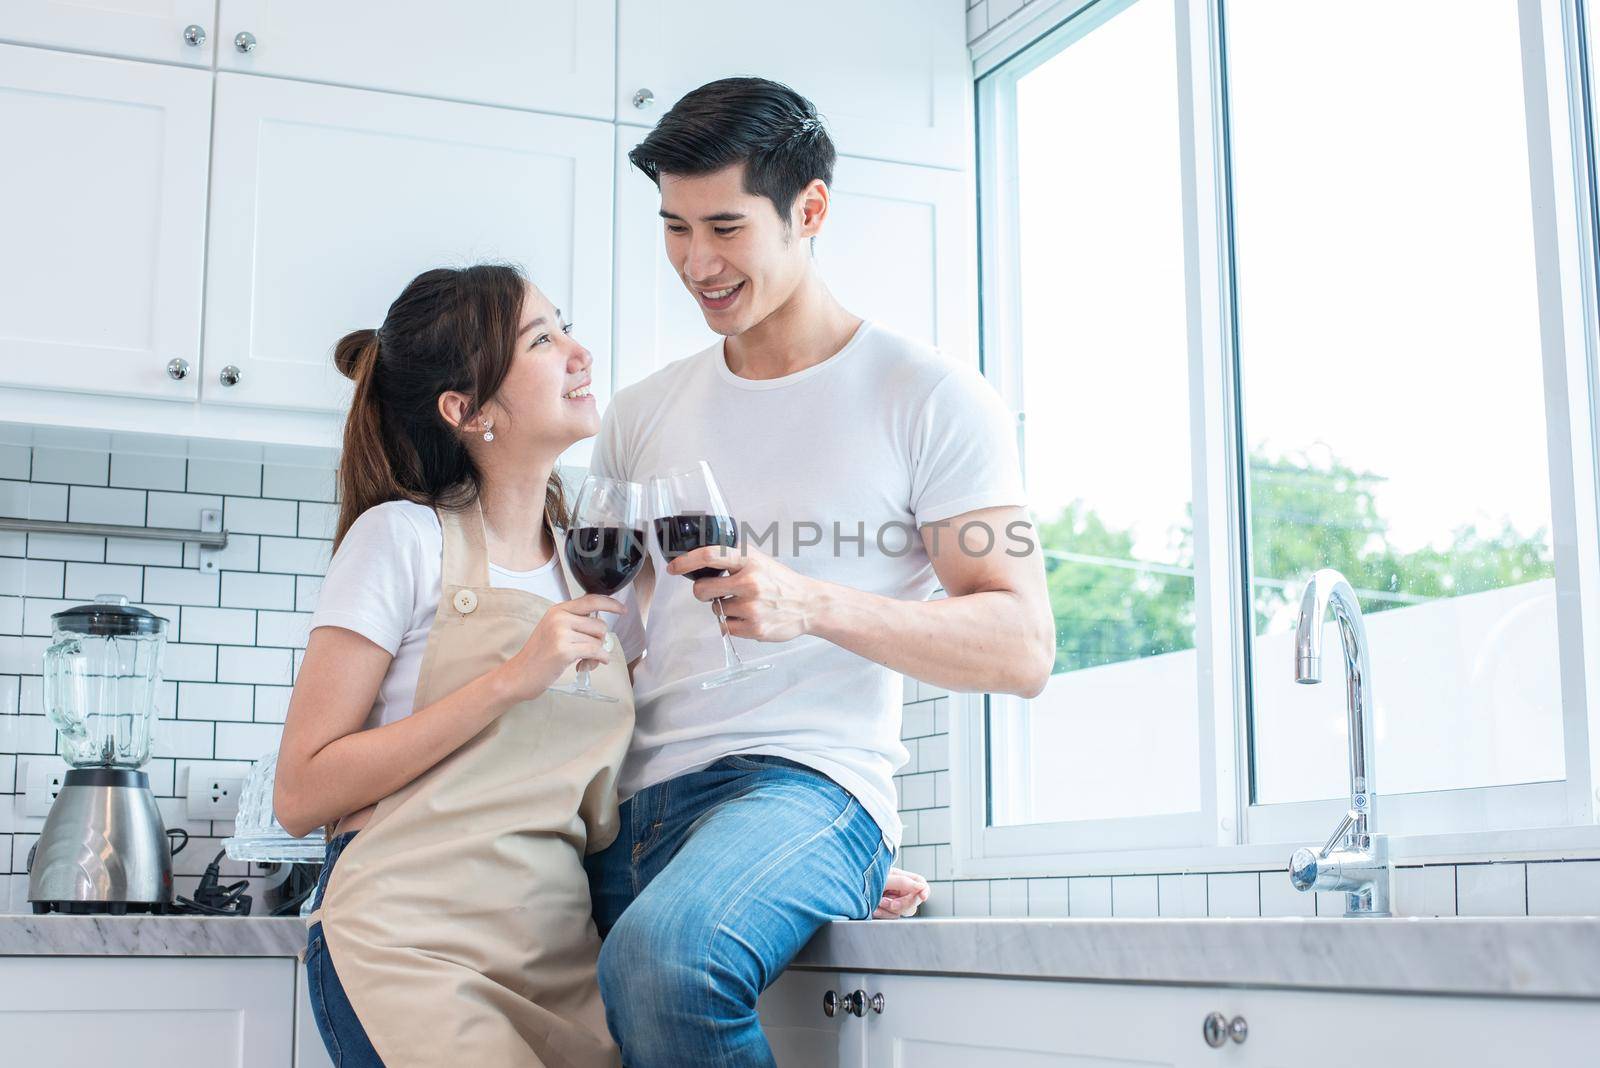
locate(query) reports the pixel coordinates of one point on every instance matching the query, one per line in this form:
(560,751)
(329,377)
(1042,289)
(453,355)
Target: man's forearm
(989,641)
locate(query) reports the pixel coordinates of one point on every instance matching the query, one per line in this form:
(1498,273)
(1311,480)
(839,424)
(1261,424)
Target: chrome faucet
(1354,861)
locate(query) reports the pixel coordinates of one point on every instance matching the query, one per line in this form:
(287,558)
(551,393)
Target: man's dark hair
(769,127)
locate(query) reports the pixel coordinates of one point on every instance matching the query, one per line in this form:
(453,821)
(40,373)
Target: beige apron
(458,918)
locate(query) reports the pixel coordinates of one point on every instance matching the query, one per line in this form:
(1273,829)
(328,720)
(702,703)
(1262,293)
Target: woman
(453,922)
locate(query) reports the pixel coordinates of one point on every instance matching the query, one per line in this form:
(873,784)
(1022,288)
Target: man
(864,471)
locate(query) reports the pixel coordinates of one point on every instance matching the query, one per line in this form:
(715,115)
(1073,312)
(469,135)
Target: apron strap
(466,551)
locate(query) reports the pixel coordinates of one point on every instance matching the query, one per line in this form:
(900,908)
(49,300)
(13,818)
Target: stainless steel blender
(103,847)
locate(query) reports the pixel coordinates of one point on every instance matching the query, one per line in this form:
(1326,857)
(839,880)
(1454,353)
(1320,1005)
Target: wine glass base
(591,695)
(735,674)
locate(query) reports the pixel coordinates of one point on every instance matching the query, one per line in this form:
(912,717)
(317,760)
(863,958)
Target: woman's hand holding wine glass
(567,633)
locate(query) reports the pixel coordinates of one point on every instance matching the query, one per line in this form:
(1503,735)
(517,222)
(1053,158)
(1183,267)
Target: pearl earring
(488,430)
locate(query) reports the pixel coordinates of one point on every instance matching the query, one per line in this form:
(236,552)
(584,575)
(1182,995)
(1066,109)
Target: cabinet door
(103,212)
(800,1033)
(1300,1029)
(892,77)
(545,55)
(895,248)
(327,201)
(140,29)
(147,1012)
(937,1022)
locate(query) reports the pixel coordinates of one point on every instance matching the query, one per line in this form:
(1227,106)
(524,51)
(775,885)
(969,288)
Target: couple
(478,853)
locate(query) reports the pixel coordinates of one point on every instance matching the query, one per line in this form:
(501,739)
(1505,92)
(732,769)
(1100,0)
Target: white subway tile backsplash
(916,791)
(133,470)
(242,589)
(267,667)
(1564,888)
(242,553)
(144,551)
(1008,897)
(317,520)
(287,629)
(1233,894)
(215,701)
(247,741)
(1491,889)
(1135,896)
(14,462)
(181,510)
(189,663)
(306,590)
(85,582)
(1280,898)
(1429,891)
(1182,895)
(298,483)
(272,703)
(181,586)
(21,656)
(33,500)
(1048,897)
(12,616)
(300,556)
(252,515)
(223,626)
(228,477)
(76,466)
(1089,895)
(66,547)
(93,504)
(972,897)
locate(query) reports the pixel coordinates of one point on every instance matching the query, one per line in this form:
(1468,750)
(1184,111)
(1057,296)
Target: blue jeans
(715,882)
(342,1033)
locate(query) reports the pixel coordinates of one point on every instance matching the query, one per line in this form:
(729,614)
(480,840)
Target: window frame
(1556,819)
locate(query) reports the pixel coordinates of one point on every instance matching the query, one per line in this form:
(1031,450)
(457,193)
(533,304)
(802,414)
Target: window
(1277,287)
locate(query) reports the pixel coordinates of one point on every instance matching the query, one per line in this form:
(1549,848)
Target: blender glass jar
(100,679)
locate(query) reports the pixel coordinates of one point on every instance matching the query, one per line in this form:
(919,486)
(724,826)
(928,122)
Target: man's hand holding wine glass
(762,599)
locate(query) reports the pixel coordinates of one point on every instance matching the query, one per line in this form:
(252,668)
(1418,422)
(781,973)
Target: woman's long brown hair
(450,329)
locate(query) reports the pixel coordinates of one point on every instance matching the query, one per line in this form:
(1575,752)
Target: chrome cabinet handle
(1238,1030)
(1215,1030)
(177,368)
(874,1002)
(856,1003)
(832,1002)
(245,41)
(643,98)
(195,35)
(230,376)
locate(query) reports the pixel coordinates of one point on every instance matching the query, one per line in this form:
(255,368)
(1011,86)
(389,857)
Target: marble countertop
(151,936)
(1519,956)
(1525,957)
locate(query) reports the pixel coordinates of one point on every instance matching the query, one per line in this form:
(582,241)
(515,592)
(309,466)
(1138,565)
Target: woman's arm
(328,766)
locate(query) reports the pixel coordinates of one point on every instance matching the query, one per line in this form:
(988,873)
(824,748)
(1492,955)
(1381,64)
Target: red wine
(604,559)
(679,534)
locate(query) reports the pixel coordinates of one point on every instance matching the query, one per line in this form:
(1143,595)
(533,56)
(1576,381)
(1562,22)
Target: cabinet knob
(1238,1030)
(830,1003)
(1215,1030)
(245,42)
(875,1003)
(230,375)
(643,98)
(195,35)
(177,368)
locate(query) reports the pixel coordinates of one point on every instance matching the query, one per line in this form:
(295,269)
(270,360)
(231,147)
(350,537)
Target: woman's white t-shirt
(383,583)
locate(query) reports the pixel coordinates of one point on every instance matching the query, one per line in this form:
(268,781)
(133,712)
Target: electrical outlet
(44,783)
(213,797)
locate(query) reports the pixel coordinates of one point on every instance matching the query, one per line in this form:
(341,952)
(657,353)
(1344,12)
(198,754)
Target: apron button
(466,601)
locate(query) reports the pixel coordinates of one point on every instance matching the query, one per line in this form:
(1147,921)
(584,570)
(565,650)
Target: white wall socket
(44,783)
(213,797)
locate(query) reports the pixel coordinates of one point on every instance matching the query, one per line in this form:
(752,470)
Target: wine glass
(689,513)
(605,548)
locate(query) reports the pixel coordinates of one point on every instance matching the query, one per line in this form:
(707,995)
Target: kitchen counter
(55,935)
(1520,956)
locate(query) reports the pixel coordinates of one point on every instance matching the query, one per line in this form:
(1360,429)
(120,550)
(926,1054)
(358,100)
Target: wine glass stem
(730,656)
(583,676)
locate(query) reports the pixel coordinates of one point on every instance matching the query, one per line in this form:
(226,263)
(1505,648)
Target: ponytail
(448,330)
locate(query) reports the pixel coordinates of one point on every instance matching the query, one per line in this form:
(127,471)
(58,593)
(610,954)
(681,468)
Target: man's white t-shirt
(882,438)
(383,583)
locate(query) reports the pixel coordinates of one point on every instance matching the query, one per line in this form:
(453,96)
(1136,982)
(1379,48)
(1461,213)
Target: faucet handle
(1303,868)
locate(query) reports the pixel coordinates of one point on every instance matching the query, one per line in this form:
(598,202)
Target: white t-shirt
(884,432)
(383,583)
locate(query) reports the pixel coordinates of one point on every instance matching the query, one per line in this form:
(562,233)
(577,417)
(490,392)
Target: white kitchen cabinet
(800,1033)
(103,212)
(138,29)
(892,77)
(554,56)
(895,248)
(147,1012)
(326,201)
(946,1022)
